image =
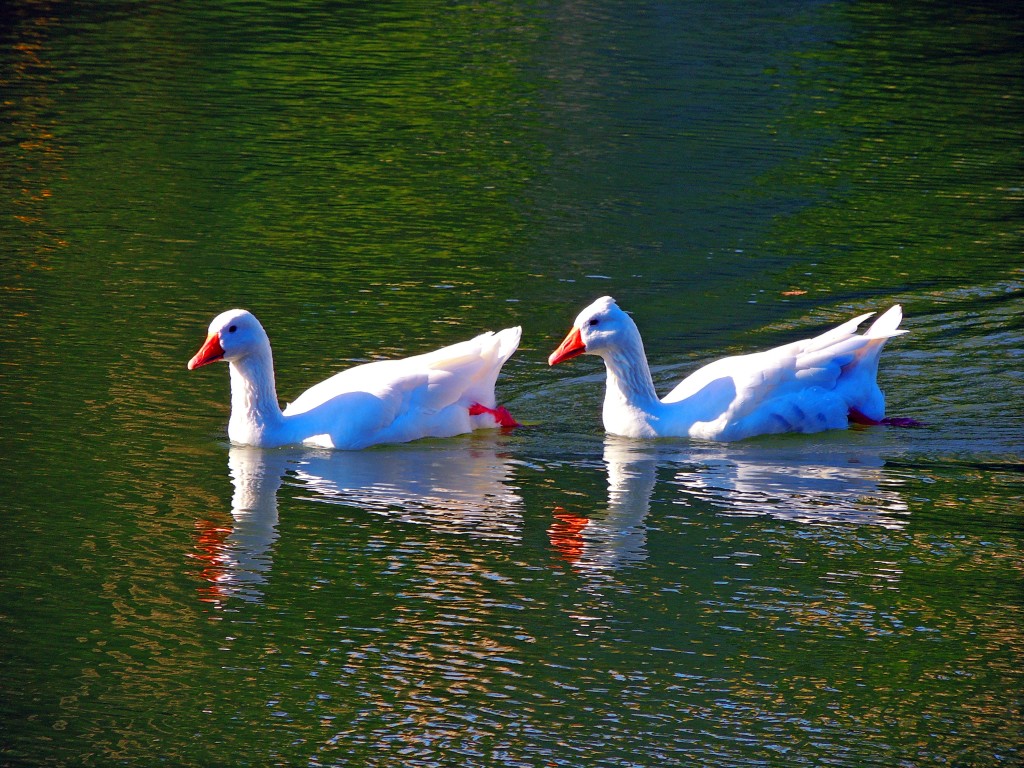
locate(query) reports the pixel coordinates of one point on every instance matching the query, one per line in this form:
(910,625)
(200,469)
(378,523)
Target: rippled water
(376,181)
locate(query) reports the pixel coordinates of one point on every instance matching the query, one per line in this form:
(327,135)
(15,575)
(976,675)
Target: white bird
(438,394)
(807,386)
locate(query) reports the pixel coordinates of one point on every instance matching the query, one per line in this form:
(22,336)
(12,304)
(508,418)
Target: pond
(378,180)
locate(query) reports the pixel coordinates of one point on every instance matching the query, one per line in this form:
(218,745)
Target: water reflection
(834,487)
(616,537)
(238,558)
(802,484)
(464,488)
(455,489)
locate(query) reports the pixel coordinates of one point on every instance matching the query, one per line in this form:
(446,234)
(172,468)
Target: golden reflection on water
(35,160)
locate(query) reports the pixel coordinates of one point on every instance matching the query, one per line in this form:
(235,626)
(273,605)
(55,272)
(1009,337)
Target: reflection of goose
(618,536)
(239,558)
(826,486)
(836,486)
(807,386)
(438,394)
(464,488)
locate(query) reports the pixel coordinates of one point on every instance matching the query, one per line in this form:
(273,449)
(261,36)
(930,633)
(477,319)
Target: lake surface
(376,180)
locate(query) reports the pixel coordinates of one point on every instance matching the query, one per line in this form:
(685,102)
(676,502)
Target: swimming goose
(438,394)
(807,386)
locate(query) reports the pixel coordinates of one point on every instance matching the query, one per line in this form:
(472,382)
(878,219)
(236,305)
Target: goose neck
(254,406)
(629,376)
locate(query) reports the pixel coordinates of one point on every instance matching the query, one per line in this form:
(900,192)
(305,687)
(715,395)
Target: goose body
(442,393)
(812,385)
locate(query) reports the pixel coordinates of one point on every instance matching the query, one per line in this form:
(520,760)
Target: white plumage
(442,393)
(807,386)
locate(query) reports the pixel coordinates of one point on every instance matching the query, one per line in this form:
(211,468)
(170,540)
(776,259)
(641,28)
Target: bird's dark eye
(232,329)
(593,321)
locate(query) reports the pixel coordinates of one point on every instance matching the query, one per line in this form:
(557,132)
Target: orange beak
(572,346)
(210,352)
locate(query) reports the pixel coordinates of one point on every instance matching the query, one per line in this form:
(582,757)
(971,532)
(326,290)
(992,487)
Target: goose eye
(232,329)
(593,321)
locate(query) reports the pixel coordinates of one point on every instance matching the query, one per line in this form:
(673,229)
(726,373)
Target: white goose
(438,394)
(807,386)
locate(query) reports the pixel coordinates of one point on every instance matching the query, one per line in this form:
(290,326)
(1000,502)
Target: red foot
(501,415)
(856,417)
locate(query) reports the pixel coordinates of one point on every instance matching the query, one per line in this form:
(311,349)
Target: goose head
(233,335)
(599,329)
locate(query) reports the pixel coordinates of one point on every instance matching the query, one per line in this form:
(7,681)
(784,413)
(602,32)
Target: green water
(375,180)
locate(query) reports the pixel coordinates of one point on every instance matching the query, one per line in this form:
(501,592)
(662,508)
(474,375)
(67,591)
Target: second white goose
(807,386)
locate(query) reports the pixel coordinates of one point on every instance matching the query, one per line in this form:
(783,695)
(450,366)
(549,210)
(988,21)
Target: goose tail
(860,376)
(888,325)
